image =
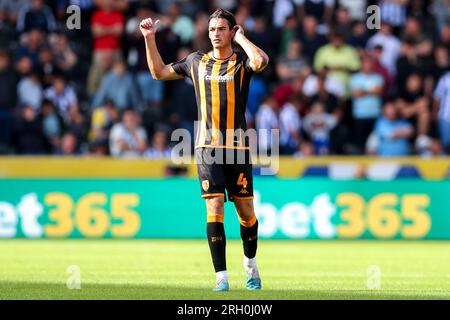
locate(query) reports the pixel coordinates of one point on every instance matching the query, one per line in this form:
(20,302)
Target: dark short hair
(223,14)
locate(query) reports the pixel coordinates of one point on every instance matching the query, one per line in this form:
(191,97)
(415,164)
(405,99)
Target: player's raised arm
(158,69)
(258,58)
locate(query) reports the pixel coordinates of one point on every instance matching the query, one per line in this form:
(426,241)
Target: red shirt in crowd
(107,19)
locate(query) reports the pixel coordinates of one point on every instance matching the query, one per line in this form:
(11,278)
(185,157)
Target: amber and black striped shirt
(221,90)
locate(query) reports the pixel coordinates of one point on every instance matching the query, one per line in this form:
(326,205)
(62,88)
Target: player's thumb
(156,24)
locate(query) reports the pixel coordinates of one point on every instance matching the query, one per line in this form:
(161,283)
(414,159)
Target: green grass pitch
(181,269)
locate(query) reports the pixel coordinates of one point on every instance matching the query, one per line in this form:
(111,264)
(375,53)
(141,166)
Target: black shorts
(222,169)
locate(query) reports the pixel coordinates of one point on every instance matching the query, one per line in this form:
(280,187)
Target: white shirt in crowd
(332,84)
(120,132)
(319,125)
(442,93)
(289,121)
(356,9)
(62,102)
(393,12)
(266,120)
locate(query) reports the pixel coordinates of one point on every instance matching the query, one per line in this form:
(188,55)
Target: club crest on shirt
(205,185)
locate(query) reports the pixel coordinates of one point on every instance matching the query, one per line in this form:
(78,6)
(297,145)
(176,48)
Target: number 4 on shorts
(242,181)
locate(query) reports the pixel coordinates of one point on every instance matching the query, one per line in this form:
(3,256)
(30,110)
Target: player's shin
(249,236)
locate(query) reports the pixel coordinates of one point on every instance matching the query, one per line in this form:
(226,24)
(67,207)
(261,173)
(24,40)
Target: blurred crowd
(335,84)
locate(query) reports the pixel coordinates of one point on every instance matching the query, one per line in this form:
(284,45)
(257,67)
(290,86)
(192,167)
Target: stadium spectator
(442,110)
(389,81)
(35,15)
(444,36)
(65,58)
(358,37)
(287,33)
(257,91)
(128,138)
(332,84)
(159,148)
(413,106)
(356,9)
(69,145)
(441,11)
(392,134)
(46,67)
(310,38)
(78,124)
(9,10)
(102,120)
(305,149)
(367,90)
(343,23)
(391,47)
(201,42)
(52,123)
(282,9)
(29,137)
(322,10)
(336,106)
(118,86)
(318,125)
(340,59)
(8,99)
(62,95)
(290,125)
(30,47)
(441,62)
(29,91)
(266,121)
(393,12)
(292,64)
(180,25)
(107,28)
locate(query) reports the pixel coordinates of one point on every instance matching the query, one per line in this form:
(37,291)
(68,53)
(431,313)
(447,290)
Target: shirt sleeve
(183,66)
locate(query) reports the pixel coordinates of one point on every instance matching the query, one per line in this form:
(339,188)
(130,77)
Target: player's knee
(246,214)
(247,220)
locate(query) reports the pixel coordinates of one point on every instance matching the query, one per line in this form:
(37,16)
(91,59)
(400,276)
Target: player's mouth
(217,40)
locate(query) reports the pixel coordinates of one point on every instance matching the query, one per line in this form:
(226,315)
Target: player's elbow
(261,62)
(157,75)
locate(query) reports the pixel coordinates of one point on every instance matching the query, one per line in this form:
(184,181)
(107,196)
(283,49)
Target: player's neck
(222,53)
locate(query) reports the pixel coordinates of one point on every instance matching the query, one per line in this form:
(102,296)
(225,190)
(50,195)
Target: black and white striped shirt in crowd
(442,94)
(392,12)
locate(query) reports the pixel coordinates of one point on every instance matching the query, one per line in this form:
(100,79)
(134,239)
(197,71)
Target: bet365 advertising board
(173,208)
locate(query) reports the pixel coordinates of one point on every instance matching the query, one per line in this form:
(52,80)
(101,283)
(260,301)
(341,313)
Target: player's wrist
(238,37)
(150,36)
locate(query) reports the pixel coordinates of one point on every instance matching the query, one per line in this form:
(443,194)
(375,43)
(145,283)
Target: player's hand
(148,27)
(239,31)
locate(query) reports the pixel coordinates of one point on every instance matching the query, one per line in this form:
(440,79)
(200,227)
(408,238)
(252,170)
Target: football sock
(249,235)
(217,242)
